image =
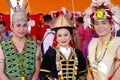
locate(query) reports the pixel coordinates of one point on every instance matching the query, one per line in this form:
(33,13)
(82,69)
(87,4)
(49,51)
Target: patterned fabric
(55,66)
(67,69)
(28,77)
(11,64)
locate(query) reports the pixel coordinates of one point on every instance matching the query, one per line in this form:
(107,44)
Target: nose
(21,28)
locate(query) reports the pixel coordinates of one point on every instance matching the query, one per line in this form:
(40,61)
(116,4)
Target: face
(19,29)
(102,27)
(2,28)
(63,37)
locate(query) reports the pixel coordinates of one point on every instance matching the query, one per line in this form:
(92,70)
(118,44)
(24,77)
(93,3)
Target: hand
(38,42)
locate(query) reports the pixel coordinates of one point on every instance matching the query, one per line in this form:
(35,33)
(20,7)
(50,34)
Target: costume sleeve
(48,65)
(81,66)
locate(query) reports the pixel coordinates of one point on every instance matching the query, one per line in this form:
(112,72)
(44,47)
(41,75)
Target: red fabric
(6,18)
(54,42)
(42,31)
(86,35)
(110,78)
(38,21)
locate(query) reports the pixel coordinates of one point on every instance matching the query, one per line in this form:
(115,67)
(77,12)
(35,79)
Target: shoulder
(6,42)
(94,39)
(51,51)
(116,39)
(93,42)
(78,52)
(29,41)
(115,42)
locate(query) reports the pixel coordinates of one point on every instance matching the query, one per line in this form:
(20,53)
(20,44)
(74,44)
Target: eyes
(102,22)
(60,35)
(20,25)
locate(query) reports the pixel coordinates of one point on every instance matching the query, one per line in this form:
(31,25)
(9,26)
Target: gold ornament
(100,14)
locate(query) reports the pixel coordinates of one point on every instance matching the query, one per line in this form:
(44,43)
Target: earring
(112,28)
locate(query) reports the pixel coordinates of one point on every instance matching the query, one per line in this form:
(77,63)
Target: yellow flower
(100,14)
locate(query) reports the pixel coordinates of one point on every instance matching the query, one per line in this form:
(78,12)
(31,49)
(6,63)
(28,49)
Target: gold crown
(62,21)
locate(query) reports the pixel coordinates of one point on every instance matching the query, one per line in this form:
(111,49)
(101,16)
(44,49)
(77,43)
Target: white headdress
(102,9)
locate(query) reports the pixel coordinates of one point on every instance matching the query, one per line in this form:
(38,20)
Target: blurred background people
(4,33)
(45,35)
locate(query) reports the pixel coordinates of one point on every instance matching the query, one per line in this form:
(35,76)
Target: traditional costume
(60,63)
(102,57)
(26,59)
(19,65)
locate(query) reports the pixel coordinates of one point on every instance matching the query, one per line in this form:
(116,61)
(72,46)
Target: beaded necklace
(96,53)
(18,60)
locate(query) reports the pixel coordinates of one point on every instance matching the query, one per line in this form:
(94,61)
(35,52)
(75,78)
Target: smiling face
(19,29)
(63,37)
(102,27)
(2,28)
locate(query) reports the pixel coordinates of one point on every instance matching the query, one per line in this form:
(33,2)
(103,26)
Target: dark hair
(66,27)
(57,14)
(47,18)
(3,23)
(71,18)
(80,20)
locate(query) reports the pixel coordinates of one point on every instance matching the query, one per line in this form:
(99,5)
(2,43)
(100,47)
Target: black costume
(56,67)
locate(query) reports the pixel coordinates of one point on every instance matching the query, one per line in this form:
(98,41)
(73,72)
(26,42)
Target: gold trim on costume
(82,71)
(44,70)
(66,66)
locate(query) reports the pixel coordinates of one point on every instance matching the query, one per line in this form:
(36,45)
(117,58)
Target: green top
(12,68)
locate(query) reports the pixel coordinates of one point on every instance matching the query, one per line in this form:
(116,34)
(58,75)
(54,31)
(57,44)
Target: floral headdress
(102,9)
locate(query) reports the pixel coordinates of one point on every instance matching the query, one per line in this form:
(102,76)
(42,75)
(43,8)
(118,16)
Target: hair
(3,23)
(57,14)
(47,18)
(66,27)
(80,20)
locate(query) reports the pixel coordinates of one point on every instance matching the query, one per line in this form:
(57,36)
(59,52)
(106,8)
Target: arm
(37,64)
(117,65)
(81,66)
(2,74)
(46,65)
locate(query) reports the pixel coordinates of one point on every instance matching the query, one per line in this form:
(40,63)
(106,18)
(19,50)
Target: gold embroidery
(44,70)
(65,66)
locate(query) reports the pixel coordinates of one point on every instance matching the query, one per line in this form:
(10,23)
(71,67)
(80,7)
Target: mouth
(63,41)
(22,33)
(101,30)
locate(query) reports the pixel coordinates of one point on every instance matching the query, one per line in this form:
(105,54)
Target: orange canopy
(45,6)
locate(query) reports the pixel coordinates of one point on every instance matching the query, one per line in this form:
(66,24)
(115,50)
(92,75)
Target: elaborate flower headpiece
(102,9)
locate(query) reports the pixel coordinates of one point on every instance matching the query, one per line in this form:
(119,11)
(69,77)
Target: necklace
(97,60)
(22,66)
